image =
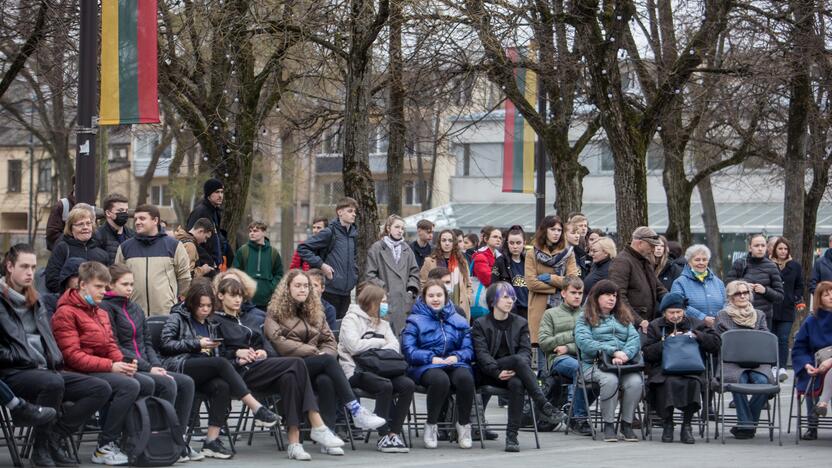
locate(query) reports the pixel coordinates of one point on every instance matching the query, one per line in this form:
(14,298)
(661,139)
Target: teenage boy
(194,240)
(422,246)
(261,261)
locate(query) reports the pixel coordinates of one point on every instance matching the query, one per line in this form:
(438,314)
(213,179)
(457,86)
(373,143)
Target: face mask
(121,218)
(89,300)
(383,309)
(449,288)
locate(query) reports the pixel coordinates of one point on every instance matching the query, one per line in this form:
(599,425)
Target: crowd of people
(502,308)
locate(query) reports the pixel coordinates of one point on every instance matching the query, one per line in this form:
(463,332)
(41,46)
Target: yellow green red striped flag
(129,80)
(518,135)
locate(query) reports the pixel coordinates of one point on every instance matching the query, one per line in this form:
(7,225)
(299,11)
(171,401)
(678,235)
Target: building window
(160,196)
(655,158)
(15,181)
(45,175)
(411,194)
(331,192)
(332,142)
(607,160)
(382,192)
(466,159)
(379,140)
(118,153)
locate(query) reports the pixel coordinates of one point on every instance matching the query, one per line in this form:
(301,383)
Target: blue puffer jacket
(705,298)
(815,334)
(608,337)
(428,334)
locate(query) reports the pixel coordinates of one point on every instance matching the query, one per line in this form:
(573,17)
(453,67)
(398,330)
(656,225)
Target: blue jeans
(568,367)
(782,330)
(6,394)
(749,412)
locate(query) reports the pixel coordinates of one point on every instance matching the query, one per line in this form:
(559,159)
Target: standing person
(666,269)
(365,328)
(159,264)
(296,327)
(700,286)
(133,338)
(436,342)
(470,244)
(504,358)
(459,236)
(483,266)
(77,241)
(593,235)
(602,252)
(32,365)
(318,224)
(511,268)
(763,276)
(333,251)
(547,266)
(634,273)
(392,266)
(606,327)
(211,207)
(261,261)
(822,269)
(56,222)
(201,262)
(85,337)
(785,312)
(113,232)
(447,255)
(422,245)
(574,239)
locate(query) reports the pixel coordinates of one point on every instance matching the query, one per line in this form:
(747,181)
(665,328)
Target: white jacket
(354,325)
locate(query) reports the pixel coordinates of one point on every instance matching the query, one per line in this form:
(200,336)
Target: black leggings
(330,383)
(6,394)
(216,378)
(523,381)
(439,381)
(286,376)
(382,389)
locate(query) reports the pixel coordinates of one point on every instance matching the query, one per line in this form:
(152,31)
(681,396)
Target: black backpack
(152,434)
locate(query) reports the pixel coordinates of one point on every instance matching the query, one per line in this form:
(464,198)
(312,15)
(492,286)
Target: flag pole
(540,157)
(85,162)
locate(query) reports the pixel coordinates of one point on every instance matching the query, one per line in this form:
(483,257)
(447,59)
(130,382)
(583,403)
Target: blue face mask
(383,309)
(89,300)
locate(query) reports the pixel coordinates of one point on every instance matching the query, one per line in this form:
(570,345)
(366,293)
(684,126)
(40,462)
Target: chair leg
(798,427)
(8,435)
(791,407)
(479,422)
(534,422)
(349,425)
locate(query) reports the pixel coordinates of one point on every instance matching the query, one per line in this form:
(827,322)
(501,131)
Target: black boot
(59,450)
(686,435)
(512,445)
(40,451)
(810,434)
(667,430)
(627,432)
(609,433)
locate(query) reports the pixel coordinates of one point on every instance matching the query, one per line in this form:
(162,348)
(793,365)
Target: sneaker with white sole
(782,375)
(463,436)
(109,454)
(216,449)
(366,420)
(193,455)
(333,451)
(430,435)
(391,443)
(265,418)
(296,452)
(325,437)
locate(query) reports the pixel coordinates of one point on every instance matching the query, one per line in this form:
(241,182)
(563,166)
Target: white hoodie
(350,342)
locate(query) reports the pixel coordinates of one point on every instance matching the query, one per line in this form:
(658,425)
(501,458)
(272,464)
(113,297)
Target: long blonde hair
(249,285)
(283,306)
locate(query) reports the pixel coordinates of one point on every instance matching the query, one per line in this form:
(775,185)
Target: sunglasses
(741,293)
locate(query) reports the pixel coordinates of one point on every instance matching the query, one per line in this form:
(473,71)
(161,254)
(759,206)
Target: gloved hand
(545,277)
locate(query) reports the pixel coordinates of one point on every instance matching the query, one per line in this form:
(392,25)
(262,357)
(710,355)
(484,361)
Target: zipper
(444,337)
(147,284)
(259,252)
(132,324)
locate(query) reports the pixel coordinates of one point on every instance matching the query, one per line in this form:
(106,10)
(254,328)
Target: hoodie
(264,265)
(352,340)
(130,330)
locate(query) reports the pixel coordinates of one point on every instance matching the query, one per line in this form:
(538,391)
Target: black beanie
(211,186)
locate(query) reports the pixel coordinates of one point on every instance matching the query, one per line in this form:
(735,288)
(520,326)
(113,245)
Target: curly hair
(283,306)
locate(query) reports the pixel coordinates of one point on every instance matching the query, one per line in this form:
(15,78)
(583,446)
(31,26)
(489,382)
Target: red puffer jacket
(484,261)
(84,334)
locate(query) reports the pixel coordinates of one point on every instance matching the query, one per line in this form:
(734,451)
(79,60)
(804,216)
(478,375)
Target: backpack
(152,434)
(244,256)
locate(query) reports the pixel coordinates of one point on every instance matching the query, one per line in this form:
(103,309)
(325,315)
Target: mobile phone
(128,360)
(217,340)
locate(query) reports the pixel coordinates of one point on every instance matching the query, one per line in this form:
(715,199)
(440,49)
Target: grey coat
(400,280)
(731,372)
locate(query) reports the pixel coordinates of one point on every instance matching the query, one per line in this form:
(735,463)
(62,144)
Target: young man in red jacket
(85,337)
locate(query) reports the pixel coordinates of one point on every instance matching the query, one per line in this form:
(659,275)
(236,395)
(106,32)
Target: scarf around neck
(746,317)
(395,247)
(557,262)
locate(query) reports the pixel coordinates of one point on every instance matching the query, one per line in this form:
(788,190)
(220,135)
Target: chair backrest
(749,348)
(155,323)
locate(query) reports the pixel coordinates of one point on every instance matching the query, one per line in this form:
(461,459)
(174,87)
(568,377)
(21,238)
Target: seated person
(318,284)
(504,357)
(24,413)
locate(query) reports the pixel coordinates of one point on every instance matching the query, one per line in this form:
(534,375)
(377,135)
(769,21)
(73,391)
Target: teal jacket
(264,265)
(608,337)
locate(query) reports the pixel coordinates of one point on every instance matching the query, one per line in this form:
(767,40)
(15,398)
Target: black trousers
(6,394)
(439,382)
(175,388)
(50,388)
(216,378)
(125,392)
(286,376)
(330,384)
(382,389)
(523,381)
(341,303)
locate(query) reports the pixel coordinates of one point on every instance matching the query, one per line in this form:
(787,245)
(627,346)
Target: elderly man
(634,273)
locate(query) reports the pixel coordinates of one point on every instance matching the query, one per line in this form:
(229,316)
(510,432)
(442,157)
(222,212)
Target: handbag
(635,364)
(681,355)
(479,307)
(382,362)
(822,355)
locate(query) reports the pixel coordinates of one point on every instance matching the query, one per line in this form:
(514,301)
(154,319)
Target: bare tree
(20,19)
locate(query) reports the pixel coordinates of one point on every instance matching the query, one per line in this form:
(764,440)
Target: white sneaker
(296,452)
(463,436)
(334,451)
(430,435)
(110,455)
(325,437)
(366,420)
(782,375)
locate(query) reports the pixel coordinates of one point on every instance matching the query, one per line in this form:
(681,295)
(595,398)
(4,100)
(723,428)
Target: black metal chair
(800,397)
(483,426)
(701,418)
(8,436)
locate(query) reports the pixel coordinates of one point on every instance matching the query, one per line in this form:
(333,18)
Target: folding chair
(820,423)
(414,417)
(701,418)
(749,349)
(483,426)
(8,436)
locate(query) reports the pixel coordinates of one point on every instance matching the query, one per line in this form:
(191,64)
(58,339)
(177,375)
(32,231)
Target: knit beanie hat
(673,301)
(211,186)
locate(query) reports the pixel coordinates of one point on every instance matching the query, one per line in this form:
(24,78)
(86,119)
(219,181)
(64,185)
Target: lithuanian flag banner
(518,135)
(129,83)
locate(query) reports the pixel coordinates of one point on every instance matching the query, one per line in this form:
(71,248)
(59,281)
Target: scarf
(700,276)
(556,262)
(395,247)
(746,317)
(782,263)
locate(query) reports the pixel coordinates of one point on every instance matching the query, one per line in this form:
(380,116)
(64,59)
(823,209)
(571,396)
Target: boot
(667,430)
(40,451)
(59,450)
(512,445)
(609,433)
(686,435)
(627,432)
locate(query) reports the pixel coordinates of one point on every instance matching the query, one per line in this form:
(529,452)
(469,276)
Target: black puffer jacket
(487,338)
(108,239)
(14,347)
(236,335)
(180,341)
(67,247)
(600,271)
(792,275)
(759,271)
(668,275)
(130,331)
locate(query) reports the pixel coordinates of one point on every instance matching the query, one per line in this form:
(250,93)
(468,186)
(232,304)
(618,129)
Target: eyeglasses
(741,293)
(83,224)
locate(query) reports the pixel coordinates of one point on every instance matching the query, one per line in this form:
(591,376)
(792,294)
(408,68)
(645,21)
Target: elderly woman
(740,314)
(763,276)
(703,290)
(602,251)
(666,392)
(77,241)
(606,328)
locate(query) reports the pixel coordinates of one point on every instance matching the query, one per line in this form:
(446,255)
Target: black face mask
(121,218)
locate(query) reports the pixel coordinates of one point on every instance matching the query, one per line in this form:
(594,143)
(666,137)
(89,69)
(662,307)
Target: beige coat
(351,339)
(298,338)
(540,291)
(463,278)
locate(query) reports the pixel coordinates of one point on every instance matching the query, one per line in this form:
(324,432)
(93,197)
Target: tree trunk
(569,175)
(396,114)
(287,205)
(434,153)
(677,189)
(709,218)
(103,163)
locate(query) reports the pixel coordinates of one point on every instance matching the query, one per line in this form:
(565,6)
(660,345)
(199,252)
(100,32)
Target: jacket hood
(15,298)
(420,308)
(92,242)
(255,246)
(181,234)
(73,298)
(148,240)
(180,309)
(336,224)
(355,309)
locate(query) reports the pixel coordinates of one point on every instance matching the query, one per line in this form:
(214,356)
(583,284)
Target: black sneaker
(810,434)
(60,452)
(512,445)
(27,414)
(742,434)
(580,427)
(609,433)
(264,418)
(667,433)
(686,435)
(216,449)
(627,432)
